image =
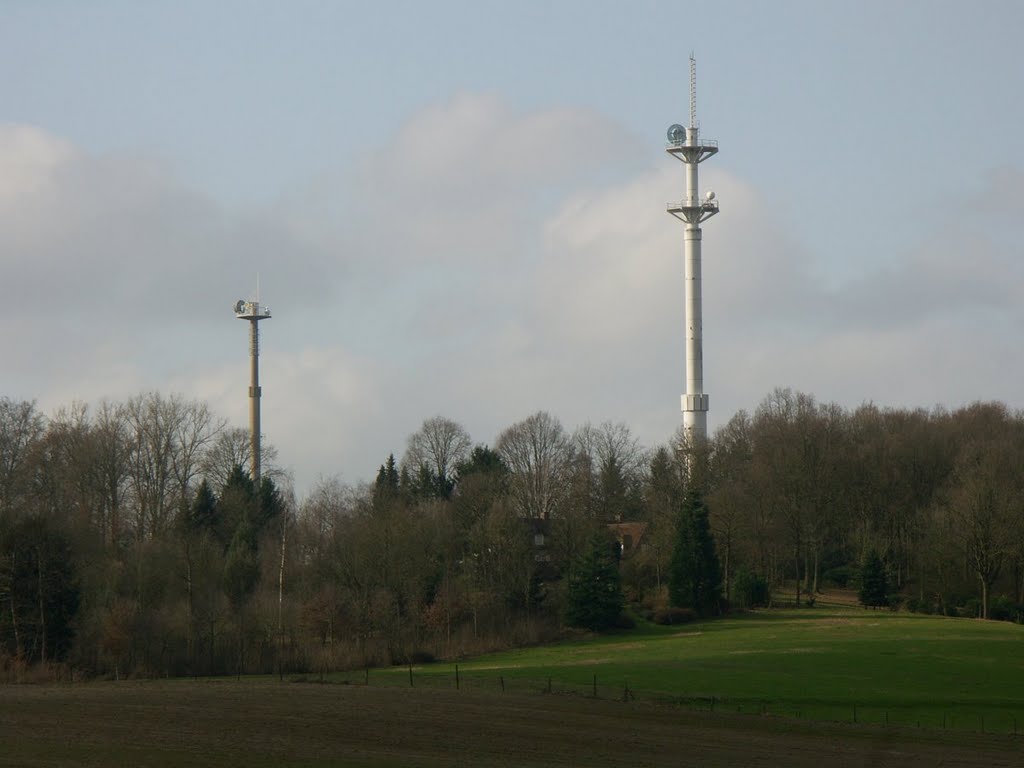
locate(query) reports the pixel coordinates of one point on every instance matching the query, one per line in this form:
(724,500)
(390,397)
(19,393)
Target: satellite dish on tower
(239,307)
(676,133)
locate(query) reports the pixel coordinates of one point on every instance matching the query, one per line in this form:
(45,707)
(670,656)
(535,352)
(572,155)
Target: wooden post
(595,686)
(456,677)
(410,676)
(502,680)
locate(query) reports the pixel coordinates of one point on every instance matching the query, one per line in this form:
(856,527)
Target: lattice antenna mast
(693,91)
(685,145)
(253,311)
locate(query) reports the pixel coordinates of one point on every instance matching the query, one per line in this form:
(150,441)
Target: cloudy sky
(458,208)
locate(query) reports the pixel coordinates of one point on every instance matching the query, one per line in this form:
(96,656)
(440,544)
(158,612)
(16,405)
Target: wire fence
(992,719)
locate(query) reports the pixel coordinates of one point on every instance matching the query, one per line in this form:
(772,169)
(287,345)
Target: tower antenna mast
(685,145)
(253,311)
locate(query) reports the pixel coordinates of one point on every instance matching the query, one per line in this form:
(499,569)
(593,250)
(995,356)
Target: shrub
(1002,608)
(674,615)
(971,609)
(421,657)
(750,589)
(920,605)
(841,576)
(625,621)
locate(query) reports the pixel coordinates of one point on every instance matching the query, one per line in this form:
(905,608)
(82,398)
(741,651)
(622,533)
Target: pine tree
(385,489)
(202,515)
(695,578)
(595,589)
(874,586)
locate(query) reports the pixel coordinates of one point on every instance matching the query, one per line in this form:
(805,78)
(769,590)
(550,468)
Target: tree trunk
(728,553)
(42,611)
(814,585)
(796,563)
(280,601)
(190,643)
(14,613)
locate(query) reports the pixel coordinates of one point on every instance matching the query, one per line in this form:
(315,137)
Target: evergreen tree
(385,488)
(269,504)
(595,589)
(482,460)
(874,586)
(695,578)
(241,566)
(237,505)
(202,514)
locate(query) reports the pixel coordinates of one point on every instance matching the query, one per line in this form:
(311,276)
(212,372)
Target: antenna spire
(693,91)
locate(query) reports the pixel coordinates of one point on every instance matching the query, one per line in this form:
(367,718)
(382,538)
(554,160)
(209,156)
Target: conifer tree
(695,578)
(202,514)
(874,586)
(595,589)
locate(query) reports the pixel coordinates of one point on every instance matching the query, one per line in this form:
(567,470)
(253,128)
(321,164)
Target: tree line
(133,541)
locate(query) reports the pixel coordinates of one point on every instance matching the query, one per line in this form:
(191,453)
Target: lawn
(824,664)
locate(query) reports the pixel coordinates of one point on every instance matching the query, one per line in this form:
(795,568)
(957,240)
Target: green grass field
(822,664)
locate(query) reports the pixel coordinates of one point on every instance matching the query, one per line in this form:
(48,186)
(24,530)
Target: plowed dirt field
(257,723)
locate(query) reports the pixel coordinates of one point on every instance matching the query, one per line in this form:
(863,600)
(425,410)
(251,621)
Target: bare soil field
(263,723)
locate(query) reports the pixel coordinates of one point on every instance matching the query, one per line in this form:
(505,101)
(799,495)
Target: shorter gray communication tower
(253,312)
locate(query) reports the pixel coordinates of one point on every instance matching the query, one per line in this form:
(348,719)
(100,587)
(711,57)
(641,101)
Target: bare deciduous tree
(231,448)
(21,426)
(440,445)
(537,453)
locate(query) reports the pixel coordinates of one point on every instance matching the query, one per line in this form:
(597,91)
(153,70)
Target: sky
(458,209)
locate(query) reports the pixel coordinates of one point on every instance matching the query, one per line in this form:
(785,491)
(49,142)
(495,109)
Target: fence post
(410,676)
(502,679)
(366,676)
(456,677)
(855,713)
(595,686)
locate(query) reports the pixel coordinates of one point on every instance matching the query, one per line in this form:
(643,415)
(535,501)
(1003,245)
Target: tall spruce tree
(874,586)
(595,589)
(695,578)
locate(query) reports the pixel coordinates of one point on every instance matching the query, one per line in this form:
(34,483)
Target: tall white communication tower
(253,311)
(685,144)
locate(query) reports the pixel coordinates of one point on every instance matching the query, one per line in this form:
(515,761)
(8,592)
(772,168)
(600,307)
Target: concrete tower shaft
(253,312)
(685,144)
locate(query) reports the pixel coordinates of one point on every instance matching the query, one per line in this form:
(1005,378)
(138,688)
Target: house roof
(629,534)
